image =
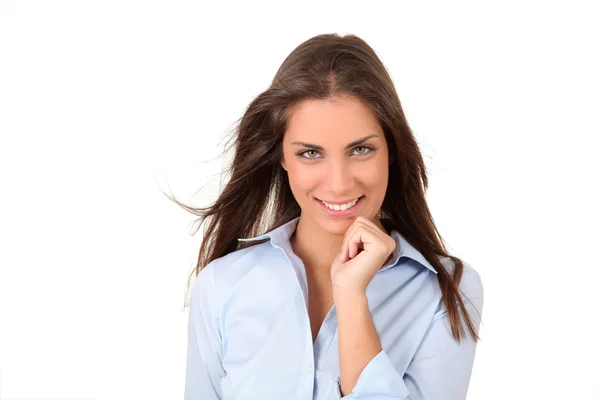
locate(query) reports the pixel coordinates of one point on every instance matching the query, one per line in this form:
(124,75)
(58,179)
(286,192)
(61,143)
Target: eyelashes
(301,154)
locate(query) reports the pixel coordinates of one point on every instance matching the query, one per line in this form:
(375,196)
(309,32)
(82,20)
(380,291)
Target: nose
(339,178)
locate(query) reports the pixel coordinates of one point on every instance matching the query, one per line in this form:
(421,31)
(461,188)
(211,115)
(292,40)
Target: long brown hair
(257,196)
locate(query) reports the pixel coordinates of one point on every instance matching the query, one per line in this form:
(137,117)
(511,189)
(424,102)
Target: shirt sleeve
(379,380)
(203,366)
(441,368)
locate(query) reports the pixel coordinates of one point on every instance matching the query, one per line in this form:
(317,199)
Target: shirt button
(310,368)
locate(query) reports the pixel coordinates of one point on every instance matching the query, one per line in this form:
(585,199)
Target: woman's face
(335,150)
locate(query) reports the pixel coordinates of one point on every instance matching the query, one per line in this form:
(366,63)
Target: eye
(368,148)
(304,152)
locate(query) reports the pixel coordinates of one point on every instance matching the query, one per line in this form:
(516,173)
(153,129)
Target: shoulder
(470,279)
(223,273)
(471,284)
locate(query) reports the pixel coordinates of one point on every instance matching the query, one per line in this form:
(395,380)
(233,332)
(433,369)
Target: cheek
(302,182)
(372,175)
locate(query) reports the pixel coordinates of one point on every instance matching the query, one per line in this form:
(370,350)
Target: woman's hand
(353,269)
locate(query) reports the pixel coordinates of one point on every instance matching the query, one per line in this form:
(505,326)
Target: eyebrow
(317,147)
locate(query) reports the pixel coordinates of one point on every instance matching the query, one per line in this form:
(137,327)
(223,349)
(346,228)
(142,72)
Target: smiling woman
(346,166)
(322,274)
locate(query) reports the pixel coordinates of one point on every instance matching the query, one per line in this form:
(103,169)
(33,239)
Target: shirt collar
(283,233)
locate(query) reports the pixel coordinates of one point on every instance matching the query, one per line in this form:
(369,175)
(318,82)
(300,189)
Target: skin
(334,174)
(340,254)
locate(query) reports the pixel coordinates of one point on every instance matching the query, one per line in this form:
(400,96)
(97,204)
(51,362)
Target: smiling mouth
(353,203)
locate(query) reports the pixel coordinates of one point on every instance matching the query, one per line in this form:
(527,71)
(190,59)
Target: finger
(378,234)
(360,236)
(370,225)
(345,242)
(346,251)
(369,237)
(341,257)
(354,246)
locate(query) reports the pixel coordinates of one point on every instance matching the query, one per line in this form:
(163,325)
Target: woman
(351,292)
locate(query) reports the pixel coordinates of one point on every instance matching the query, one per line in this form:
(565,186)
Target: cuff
(379,378)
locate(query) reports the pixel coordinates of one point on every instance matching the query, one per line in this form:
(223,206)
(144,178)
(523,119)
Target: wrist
(350,298)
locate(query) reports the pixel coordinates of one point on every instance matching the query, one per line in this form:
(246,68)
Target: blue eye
(301,154)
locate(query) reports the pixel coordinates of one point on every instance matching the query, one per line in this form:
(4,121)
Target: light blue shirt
(249,334)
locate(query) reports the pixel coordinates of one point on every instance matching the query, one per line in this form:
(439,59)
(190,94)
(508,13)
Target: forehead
(344,118)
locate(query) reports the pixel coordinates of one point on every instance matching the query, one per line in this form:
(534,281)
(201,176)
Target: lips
(342,213)
(339,203)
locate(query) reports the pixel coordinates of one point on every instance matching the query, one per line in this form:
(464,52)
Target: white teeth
(340,207)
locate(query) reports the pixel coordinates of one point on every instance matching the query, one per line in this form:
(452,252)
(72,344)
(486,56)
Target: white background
(105,103)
